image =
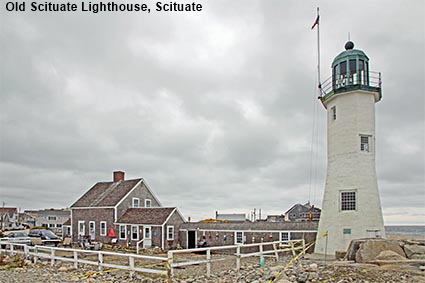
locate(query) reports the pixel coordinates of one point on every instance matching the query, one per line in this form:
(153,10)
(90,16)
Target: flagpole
(318,54)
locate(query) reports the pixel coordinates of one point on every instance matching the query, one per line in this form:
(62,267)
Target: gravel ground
(222,272)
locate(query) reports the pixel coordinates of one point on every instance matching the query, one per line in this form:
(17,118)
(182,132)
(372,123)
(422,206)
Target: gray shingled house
(306,212)
(127,210)
(222,234)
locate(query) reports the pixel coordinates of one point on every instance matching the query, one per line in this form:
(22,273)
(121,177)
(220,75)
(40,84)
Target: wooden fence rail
(277,247)
(171,262)
(38,252)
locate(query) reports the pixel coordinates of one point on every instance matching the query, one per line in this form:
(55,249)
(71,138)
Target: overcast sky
(216,110)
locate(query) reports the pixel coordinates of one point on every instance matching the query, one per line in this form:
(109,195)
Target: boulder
(370,249)
(353,248)
(313,267)
(418,256)
(389,255)
(410,250)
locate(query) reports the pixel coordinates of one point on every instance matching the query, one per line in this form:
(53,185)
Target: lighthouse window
(343,67)
(348,200)
(333,109)
(364,143)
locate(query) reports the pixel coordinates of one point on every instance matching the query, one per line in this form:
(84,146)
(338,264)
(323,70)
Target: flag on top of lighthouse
(316,22)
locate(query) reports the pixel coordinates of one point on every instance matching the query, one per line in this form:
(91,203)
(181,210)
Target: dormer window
(136,202)
(148,203)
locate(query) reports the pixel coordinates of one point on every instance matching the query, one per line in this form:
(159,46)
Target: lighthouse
(351,206)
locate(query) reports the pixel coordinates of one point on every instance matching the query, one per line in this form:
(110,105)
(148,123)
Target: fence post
(131,266)
(26,252)
(52,257)
(208,263)
(35,254)
(276,253)
(170,271)
(100,259)
(75,259)
(261,254)
(292,248)
(238,258)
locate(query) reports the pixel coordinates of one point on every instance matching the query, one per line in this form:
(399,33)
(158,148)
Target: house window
(92,230)
(170,233)
(346,231)
(284,237)
(81,228)
(134,232)
(238,237)
(51,218)
(333,111)
(364,143)
(68,231)
(44,225)
(348,200)
(59,225)
(52,225)
(102,228)
(136,202)
(148,203)
(123,232)
(147,232)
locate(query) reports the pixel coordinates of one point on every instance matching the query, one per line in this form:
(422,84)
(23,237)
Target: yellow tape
(296,258)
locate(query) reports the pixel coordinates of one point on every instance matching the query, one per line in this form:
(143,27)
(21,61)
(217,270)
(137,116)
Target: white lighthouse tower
(351,206)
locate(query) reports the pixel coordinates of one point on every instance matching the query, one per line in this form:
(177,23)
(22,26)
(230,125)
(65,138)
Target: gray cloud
(214,109)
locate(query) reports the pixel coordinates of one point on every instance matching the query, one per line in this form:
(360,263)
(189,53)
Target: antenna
(348,36)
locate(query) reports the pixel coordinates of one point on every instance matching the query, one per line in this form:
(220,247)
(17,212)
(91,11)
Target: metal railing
(351,81)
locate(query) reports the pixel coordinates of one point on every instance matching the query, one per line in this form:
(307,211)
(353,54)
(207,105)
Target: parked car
(16,237)
(47,237)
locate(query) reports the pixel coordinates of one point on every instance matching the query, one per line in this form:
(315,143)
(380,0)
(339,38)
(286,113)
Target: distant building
(306,212)
(9,218)
(232,217)
(275,218)
(53,218)
(28,218)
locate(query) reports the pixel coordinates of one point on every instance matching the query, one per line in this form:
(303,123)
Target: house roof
(257,226)
(306,207)
(106,193)
(8,210)
(154,215)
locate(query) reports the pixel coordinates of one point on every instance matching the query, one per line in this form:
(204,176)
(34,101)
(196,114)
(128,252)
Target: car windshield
(34,232)
(49,234)
(18,234)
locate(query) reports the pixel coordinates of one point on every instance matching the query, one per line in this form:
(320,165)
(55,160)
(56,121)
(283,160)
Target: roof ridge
(105,193)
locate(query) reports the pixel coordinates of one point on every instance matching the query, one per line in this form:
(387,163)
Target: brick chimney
(118,176)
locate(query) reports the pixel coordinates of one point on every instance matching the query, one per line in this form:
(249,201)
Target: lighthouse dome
(350,53)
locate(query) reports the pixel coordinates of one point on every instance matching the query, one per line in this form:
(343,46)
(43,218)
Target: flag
(316,22)
(111,233)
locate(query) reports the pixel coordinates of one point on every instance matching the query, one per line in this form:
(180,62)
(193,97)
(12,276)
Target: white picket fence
(171,262)
(277,247)
(51,253)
